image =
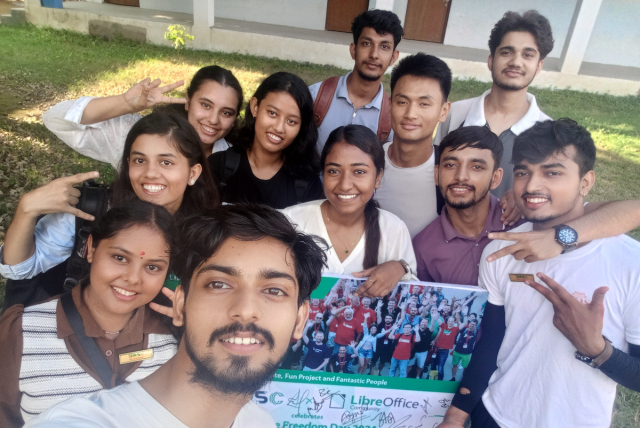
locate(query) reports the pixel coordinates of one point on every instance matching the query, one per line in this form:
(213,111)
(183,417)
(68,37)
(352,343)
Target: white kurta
(395,242)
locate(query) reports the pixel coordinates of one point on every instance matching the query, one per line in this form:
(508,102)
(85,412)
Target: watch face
(567,235)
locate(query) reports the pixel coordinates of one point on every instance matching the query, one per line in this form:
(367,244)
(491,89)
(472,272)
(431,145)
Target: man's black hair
(201,235)
(382,21)
(546,138)
(476,137)
(531,22)
(423,65)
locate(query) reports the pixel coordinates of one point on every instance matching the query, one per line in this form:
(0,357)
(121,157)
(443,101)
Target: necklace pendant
(346,252)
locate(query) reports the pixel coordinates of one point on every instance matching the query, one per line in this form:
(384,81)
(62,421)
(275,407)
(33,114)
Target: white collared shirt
(470,112)
(476,117)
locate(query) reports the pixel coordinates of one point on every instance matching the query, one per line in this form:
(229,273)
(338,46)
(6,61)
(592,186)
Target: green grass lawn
(40,67)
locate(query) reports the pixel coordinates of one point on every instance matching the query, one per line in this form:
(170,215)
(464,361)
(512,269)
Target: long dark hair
(366,140)
(203,195)
(301,156)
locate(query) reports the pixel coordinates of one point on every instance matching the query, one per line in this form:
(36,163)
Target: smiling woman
(350,219)
(274,160)
(129,250)
(97,127)
(162,163)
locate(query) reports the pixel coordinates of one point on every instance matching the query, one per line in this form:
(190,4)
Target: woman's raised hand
(58,196)
(147,93)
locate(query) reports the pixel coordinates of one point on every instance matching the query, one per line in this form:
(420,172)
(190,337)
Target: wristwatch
(405,265)
(598,360)
(567,237)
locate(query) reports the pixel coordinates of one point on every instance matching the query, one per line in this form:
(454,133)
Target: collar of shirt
(343,92)
(130,335)
(476,117)
(491,224)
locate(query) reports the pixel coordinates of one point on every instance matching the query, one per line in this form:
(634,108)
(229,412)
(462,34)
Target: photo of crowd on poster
(419,330)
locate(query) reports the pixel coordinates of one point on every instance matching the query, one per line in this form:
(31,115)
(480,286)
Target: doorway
(340,13)
(426,20)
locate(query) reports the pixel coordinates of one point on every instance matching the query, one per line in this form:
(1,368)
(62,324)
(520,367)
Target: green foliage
(178,35)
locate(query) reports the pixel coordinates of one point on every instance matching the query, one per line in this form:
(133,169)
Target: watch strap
(604,355)
(599,359)
(405,265)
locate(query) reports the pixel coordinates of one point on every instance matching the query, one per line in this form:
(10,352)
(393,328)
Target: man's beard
(236,378)
(508,87)
(367,76)
(463,205)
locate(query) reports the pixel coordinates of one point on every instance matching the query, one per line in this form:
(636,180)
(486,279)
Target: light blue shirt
(54,237)
(341,111)
(415,322)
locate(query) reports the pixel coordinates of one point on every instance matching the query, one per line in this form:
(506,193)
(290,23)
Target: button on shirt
(341,111)
(476,117)
(446,256)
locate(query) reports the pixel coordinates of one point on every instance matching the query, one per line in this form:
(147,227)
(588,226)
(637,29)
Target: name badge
(386,342)
(464,346)
(134,357)
(521,277)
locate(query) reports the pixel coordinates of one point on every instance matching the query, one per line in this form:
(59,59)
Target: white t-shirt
(131,406)
(539,383)
(395,242)
(409,193)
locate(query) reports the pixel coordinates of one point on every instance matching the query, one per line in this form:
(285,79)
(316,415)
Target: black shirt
(341,364)
(278,192)
(468,338)
(425,341)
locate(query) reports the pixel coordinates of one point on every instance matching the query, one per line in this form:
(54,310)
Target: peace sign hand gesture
(581,323)
(147,93)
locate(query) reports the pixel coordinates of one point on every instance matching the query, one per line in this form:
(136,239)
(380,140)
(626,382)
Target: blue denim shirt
(54,236)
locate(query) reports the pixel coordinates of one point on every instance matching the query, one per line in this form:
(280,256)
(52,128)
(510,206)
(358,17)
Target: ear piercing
(191,182)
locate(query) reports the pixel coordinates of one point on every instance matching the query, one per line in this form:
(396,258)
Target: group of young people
(245,270)
(411,330)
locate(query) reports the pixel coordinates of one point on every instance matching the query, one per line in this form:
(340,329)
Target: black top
(425,341)
(465,337)
(277,192)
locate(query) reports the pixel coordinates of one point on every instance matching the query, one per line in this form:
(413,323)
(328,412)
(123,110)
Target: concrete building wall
(616,34)
(311,14)
(471,21)
(182,6)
